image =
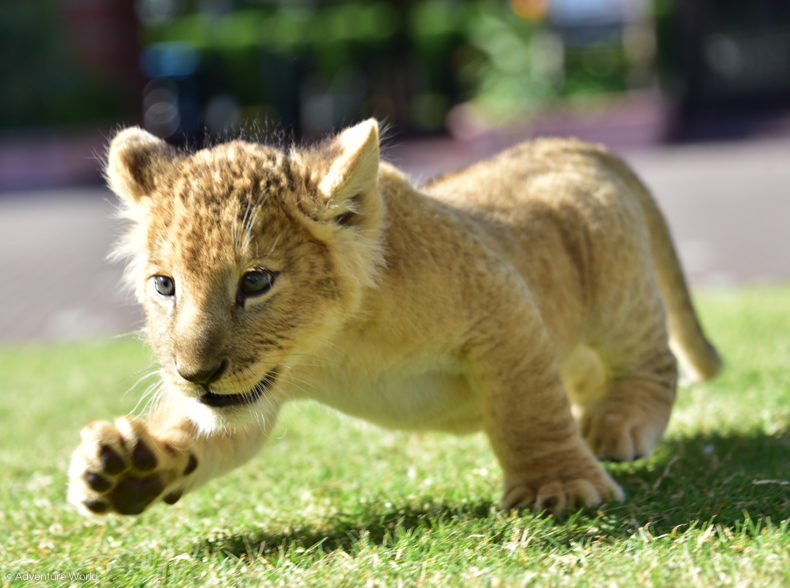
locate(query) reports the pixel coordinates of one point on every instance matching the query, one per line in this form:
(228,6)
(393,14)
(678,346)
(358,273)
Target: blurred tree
(308,65)
(66,63)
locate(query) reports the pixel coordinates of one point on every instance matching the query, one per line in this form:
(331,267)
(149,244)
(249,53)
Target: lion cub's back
(499,183)
(560,191)
(563,215)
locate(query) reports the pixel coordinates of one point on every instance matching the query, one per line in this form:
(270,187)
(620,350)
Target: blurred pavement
(56,282)
(728,205)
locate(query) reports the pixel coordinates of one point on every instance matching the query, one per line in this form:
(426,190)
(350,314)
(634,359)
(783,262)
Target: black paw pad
(97,482)
(111,462)
(96,506)
(191,466)
(142,458)
(133,494)
(173,497)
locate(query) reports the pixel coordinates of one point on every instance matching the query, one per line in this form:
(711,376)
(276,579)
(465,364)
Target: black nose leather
(203,377)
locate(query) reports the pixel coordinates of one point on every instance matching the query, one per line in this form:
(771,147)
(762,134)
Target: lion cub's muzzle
(203,377)
(225,400)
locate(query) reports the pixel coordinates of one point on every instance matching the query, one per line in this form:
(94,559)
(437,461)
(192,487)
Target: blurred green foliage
(417,60)
(477,50)
(288,31)
(521,66)
(43,81)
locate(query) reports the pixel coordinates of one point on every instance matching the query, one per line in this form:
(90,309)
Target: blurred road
(728,205)
(56,282)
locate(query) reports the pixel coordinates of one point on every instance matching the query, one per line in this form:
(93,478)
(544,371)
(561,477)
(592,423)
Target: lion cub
(528,296)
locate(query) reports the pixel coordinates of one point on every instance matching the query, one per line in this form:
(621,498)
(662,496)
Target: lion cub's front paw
(123,469)
(558,495)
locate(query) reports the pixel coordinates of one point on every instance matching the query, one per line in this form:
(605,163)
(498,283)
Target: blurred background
(695,94)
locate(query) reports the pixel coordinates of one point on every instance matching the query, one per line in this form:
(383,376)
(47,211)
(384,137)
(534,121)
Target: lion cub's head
(245,258)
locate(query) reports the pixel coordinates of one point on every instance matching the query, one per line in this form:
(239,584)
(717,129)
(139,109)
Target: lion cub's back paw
(123,469)
(619,432)
(557,497)
(630,421)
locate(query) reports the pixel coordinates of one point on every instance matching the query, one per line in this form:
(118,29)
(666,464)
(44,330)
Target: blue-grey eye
(164,285)
(256,282)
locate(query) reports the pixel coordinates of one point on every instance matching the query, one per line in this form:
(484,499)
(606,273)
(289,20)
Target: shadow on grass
(342,532)
(726,479)
(709,475)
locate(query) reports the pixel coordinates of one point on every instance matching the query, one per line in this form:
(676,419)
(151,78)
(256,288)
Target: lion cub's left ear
(349,188)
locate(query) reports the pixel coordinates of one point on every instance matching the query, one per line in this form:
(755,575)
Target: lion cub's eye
(256,282)
(164,285)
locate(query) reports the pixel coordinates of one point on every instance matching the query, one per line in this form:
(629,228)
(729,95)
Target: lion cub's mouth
(224,400)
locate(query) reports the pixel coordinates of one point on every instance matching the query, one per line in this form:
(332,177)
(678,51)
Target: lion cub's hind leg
(626,417)
(629,422)
(585,380)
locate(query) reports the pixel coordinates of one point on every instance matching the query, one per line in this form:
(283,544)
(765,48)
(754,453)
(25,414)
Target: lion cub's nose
(203,377)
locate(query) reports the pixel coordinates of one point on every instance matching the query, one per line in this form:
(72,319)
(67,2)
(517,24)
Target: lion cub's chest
(418,395)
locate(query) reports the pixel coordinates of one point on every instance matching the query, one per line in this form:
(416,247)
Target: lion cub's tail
(686,337)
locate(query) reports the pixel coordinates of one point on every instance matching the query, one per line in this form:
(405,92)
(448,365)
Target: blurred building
(726,63)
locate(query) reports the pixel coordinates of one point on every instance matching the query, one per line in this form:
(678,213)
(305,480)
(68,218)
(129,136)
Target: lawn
(334,502)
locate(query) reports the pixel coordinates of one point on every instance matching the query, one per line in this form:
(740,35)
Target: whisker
(154,399)
(149,394)
(291,379)
(154,369)
(154,372)
(316,357)
(276,240)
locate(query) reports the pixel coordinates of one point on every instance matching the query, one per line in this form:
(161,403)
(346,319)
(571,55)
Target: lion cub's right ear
(135,162)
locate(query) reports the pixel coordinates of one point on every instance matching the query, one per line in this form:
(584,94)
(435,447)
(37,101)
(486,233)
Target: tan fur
(506,297)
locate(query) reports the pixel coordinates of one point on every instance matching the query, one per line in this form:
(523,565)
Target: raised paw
(124,469)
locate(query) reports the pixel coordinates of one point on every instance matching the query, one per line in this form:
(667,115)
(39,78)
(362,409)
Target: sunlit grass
(335,502)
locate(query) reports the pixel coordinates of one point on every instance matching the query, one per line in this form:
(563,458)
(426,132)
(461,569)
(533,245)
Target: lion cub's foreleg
(527,417)
(129,466)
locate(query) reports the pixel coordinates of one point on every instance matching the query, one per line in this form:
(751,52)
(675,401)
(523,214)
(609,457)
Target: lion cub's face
(245,258)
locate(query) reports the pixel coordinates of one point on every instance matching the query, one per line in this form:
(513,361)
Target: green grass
(335,502)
